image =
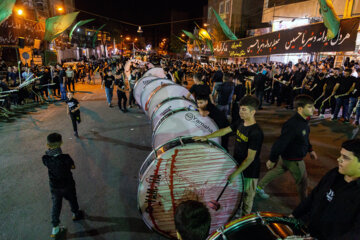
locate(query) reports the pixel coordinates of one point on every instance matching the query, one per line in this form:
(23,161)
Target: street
(108,154)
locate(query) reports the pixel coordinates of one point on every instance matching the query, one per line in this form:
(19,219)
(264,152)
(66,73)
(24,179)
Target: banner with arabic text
(309,38)
(14,27)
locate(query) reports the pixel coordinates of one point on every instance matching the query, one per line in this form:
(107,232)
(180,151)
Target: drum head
(139,87)
(182,122)
(168,105)
(151,86)
(156,72)
(263,225)
(190,171)
(163,93)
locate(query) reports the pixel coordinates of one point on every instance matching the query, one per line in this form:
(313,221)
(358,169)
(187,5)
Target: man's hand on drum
(200,138)
(270,164)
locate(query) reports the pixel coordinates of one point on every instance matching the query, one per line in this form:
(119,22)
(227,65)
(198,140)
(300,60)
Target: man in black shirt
(292,146)
(62,184)
(332,210)
(239,93)
(329,91)
(206,108)
(199,88)
(109,81)
(344,87)
(259,82)
(121,92)
(217,78)
(248,143)
(73,109)
(223,94)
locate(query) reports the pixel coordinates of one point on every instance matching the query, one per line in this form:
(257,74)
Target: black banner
(309,38)
(15,27)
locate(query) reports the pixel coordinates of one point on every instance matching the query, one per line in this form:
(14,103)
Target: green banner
(210,45)
(96,33)
(6,7)
(54,26)
(78,24)
(225,27)
(331,20)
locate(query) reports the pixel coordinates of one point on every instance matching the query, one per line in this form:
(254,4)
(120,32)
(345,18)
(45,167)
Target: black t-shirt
(120,83)
(225,91)
(59,168)
(239,92)
(218,116)
(250,137)
(72,104)
(200,90)
(330,84)
(345,84)
(109,81)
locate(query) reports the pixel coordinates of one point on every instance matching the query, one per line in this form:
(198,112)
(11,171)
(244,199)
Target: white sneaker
(262,193)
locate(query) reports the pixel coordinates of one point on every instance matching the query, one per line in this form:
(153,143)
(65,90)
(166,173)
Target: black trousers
(70,81)
(131,97)
(75,119)
(122,99)
(57,195)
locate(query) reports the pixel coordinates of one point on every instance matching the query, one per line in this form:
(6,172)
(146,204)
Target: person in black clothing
(332,210)
(108,82)
(121,91)
(199,88)
(62,184)
(329,91)
(206,108)
(239,93)
(223,93)
(259,82)
(248,143)
(292,146)
(296,83)
(217,79)
(343,89)
(73,109)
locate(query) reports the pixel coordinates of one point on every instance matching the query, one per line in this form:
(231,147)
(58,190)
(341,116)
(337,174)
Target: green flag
(331,20)
(224,27)
(210,45)
(189,34)
(96,33)
(78,24)
(54,26)
(6,7)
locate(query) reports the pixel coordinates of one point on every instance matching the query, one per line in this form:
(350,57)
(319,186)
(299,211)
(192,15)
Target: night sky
(141,13)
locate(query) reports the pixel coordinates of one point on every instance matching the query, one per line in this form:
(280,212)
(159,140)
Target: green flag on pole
(96,33)
(210,45)
(54,26)
(189,34)
(78,24)
(224,27)
(6,7)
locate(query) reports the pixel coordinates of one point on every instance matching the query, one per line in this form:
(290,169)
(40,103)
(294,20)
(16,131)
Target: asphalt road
(108,154)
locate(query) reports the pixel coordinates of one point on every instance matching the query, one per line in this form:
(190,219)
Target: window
(221,8)
(227,6)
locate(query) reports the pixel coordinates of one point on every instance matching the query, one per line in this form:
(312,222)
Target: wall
(303,9)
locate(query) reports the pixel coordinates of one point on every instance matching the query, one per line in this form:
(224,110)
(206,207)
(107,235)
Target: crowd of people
(230,94)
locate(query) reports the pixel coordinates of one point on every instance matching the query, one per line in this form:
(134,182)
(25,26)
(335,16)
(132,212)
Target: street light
(139,30)
(128,38)
(20,12)
(182,35)
(60,9)
(206,24)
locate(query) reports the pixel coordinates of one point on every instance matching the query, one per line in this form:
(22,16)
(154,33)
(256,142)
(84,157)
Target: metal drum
(156,72)
(148,88)
(182,122)
(139,87)
(163,92)
(187,170)
(262,225)
(168,105)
